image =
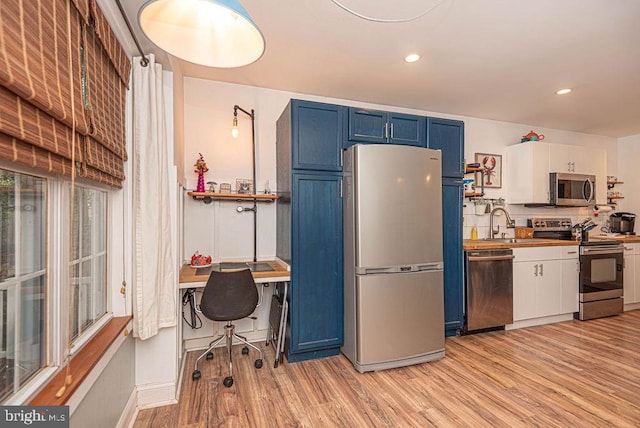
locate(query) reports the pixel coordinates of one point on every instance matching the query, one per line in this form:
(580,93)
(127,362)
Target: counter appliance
(393,261)
(622,223)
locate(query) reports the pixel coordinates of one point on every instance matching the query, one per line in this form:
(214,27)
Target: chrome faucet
(510,222)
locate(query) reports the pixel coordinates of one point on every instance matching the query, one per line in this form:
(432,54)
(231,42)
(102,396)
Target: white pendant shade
(213,33)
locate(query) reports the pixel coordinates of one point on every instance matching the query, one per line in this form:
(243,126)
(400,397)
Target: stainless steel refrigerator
(393,274)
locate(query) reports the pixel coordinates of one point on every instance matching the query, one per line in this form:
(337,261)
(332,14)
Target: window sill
(81,364)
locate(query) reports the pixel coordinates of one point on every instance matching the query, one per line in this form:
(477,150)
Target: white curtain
(154,277)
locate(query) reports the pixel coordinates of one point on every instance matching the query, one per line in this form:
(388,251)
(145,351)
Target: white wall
(628,166)
(217,229)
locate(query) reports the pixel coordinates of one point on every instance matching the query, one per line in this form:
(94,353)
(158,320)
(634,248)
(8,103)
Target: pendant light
(215,33)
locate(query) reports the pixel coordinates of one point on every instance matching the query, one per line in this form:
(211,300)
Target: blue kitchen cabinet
(448,136)
(452,197)
(316,135)
(374,126)
(317,267)
(309,226)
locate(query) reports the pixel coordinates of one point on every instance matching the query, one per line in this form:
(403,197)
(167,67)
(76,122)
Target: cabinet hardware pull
(536,270)
(392,130)
(386,131)
(341,185)
(541,269)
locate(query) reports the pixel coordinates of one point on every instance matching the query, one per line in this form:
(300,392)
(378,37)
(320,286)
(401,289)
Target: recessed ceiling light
(563,91)
(412,57)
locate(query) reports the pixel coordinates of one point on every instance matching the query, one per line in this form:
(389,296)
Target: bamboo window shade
(36,89)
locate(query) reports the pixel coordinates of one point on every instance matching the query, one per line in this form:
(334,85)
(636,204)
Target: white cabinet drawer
(530,254)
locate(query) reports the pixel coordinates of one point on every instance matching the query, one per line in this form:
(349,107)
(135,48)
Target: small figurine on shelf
(201,168)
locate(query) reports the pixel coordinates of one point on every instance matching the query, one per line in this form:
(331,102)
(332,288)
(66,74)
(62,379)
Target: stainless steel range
(601,268)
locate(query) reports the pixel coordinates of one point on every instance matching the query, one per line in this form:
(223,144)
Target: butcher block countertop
(624,238)
(480,244)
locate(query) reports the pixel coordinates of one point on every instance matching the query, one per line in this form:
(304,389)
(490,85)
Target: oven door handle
(594,251)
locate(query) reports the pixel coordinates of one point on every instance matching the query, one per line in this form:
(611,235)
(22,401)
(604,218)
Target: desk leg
(282,327)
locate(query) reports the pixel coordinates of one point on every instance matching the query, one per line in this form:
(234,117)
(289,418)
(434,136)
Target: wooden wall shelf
(473,171)
(210,196)
(470,170)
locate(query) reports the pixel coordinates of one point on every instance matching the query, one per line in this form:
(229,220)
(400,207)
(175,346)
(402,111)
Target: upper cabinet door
(316,136)
(374,126)
(367,126)
(448,136)
(406,129)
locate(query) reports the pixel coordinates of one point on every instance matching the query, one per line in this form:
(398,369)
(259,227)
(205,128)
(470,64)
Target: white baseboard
(631,306)
(539,321)
(157,394)
(130,412)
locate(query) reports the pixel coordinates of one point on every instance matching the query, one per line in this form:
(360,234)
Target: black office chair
(229,296)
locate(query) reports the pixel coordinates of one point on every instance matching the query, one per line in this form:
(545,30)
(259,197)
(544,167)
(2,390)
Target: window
(43,271)
(23,279)
(89,261)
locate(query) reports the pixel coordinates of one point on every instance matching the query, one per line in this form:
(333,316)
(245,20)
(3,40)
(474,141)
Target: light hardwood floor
(572,374)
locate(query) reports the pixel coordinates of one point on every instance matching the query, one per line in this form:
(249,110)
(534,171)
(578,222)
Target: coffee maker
(622,223)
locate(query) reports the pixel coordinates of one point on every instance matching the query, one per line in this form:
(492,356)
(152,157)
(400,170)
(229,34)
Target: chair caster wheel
(245,350)
(258,363)
(209,356)
(195,375)
(275,365)
(228,381)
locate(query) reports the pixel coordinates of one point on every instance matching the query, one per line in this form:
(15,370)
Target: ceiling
(494,59)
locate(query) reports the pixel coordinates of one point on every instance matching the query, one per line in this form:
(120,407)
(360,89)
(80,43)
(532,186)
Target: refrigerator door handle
(430,266)
(370,271)
(426,267)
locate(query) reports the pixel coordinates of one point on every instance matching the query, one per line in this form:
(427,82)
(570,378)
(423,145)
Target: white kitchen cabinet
(529,164)
(545,282)
(630,273)
(571,159)
(570,280)
(528,173)
(524,290)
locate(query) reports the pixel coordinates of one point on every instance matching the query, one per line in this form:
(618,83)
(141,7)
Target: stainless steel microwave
(572,190)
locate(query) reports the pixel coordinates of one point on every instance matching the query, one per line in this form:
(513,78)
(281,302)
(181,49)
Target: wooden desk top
(279,273)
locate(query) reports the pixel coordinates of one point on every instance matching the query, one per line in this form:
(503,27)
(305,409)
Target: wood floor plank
(574,373)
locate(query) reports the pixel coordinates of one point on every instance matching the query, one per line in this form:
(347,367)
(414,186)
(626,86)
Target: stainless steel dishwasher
(489,286)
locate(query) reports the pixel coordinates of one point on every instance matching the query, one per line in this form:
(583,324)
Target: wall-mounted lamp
(234,128)
(215,33)
(235,133)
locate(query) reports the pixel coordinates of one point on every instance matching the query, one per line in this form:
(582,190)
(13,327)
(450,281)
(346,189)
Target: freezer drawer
(399,319)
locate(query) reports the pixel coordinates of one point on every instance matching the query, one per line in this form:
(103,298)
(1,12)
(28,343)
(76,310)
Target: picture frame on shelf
(492,165)
(244,186)
(225,187)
